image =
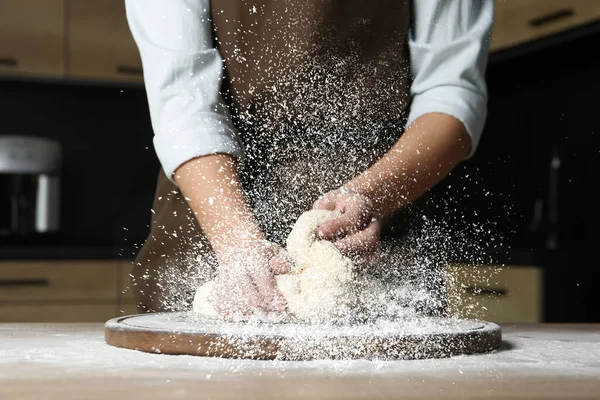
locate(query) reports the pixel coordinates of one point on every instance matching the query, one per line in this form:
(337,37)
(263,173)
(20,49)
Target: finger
(228,306)
(347,223)
(353,216)
(271,297)
(237,295)
(332,229)
(248,296)
(325,203)
(364,241)
(281,263)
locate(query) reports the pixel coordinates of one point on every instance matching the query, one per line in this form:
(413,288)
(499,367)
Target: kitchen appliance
(29,186)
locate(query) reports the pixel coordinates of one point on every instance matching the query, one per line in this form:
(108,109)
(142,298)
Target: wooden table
(44,361)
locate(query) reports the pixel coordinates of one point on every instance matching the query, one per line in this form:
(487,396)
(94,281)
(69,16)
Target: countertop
(64,361)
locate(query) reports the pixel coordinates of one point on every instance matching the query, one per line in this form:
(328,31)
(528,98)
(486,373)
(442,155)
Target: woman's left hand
(356,231)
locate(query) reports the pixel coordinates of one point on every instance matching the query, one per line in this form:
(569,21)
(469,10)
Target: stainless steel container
(29,186)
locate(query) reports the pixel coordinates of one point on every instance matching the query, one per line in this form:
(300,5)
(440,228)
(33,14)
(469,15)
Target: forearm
(429,149)
(215,195)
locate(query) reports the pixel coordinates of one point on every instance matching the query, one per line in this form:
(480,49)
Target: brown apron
(318,90)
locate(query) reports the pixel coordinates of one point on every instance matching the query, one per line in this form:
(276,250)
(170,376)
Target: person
(263,109)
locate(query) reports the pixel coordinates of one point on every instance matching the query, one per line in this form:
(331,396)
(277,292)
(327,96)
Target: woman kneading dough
(263,110)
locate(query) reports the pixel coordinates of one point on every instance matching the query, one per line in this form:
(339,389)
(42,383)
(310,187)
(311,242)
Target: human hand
(356,231)
(245,282)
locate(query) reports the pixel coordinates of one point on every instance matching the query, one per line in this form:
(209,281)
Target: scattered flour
(319,287)
(64,349)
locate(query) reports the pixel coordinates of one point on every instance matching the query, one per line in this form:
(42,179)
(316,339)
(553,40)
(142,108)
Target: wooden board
(415,338)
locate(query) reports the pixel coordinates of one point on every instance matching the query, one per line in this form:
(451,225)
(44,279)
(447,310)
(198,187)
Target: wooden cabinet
(90,39)
(32,37)
(95,291)
(58,291)
(26,281)
(521,21)
(81,39)
(58,312)
(100,44)
(127,308)
(496,294)
(65,291)
(126,302)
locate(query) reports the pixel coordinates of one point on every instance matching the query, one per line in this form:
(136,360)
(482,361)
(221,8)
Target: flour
(319,286)
(64,350)
(317,126)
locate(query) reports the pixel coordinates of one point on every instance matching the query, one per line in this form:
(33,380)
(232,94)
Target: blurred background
(78,169)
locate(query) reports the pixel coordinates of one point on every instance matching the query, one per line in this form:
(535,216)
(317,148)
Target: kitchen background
(70,71)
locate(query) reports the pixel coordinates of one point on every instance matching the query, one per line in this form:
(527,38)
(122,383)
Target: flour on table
(319,286)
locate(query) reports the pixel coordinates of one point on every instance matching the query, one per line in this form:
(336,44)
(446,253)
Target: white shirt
(183,72)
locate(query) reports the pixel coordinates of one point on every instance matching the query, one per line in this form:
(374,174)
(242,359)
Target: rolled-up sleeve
(182,74)
(449,44)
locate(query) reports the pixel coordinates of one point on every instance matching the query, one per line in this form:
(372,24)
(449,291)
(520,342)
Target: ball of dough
(319,286)
(324,275)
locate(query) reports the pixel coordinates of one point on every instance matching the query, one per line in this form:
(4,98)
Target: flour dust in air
(305,132)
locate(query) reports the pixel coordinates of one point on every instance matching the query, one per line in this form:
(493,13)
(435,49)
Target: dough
(201,304)
(319,287)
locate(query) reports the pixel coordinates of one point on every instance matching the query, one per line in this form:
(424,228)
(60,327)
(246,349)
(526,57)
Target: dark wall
(544,105)
(109,167)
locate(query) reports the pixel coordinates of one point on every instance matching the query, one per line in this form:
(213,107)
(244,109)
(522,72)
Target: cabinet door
(521,21)
(58,281)
(100,44)
(495,294)
(125,295)
(127,309)
(32,36)
(54,312)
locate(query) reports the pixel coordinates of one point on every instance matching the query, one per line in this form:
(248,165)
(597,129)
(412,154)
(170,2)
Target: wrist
(387,198)
(358,188)
(234,238)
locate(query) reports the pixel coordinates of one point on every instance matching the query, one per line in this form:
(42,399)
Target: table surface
(58,361)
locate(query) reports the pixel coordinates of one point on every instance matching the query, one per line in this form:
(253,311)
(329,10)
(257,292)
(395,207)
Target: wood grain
(521,21)
(51,360)
(58,291)
(495,293)
(124,280)
(23,281)
(59,312)
(32,35)
(100,44)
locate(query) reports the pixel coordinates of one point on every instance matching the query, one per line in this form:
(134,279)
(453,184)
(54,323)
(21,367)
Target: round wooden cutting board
(188,333)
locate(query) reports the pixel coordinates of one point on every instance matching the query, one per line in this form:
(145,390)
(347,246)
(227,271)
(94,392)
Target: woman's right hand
(247,262)
(245,283)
